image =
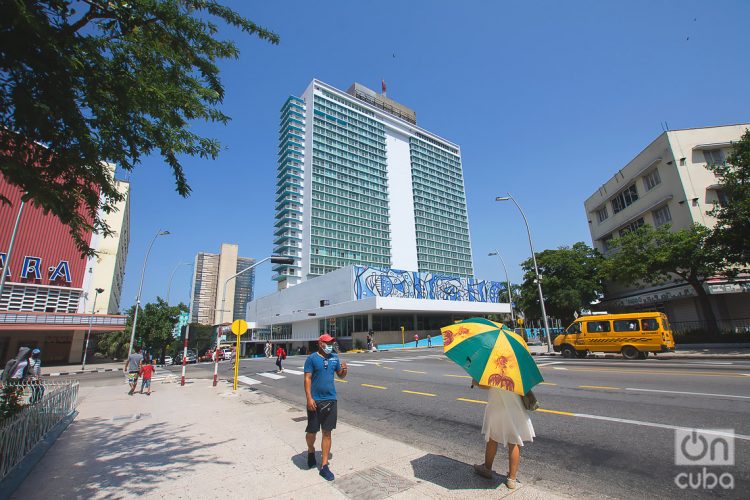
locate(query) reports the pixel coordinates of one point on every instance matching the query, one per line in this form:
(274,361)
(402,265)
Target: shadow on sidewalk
(451,474)
(111,453)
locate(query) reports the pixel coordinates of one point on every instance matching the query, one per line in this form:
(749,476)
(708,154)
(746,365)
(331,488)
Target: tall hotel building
(359,183)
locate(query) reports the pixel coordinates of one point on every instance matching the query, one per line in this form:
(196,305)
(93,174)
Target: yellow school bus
(634,335)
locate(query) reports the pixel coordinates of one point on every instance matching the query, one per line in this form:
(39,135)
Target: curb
(18,474)
(79,372)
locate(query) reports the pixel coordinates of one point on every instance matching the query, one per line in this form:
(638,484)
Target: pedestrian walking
(20,369)
(507,422)
(429,340)
(280,357)
(320,391)
(268,350)
(35,375)
(133,368)
(416,340)
(11,366)
(147,370)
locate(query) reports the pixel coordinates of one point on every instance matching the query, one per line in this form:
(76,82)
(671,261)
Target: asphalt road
(606,427)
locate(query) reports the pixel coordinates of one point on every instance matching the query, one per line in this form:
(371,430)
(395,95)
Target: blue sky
(546,99)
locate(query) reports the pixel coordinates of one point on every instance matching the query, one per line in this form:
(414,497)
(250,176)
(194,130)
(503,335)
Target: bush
(359,344)
(10,401)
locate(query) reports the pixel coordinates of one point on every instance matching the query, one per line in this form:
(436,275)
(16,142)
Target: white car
(168,360)
(227,353)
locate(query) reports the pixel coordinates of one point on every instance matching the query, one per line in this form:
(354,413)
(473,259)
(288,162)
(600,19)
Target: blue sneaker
(326,473)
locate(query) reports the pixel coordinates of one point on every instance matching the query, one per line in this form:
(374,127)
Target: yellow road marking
(546,383)
(651,372)
(419,393)
(458,376)
(374,386)
(387,368)
(566,413)
(598,387)
(339,380)
(472,401)
(413,371)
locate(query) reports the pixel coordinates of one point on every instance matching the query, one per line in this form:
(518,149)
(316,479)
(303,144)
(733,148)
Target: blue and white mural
(373,282)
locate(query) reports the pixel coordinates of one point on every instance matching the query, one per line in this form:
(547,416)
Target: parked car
(227,353)
(168,360)
(191,357)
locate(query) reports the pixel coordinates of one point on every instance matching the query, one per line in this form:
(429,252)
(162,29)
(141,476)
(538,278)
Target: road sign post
(402,337)
(239,327)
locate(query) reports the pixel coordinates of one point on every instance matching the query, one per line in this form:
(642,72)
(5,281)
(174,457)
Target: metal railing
(45,405)
(728,326)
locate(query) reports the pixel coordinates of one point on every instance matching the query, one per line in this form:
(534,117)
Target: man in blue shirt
(321,400)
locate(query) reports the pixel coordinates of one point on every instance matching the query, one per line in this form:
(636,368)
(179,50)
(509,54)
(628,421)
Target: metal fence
(729,326)
(45,405)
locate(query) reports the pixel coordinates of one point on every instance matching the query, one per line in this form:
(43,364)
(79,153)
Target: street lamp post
(91,321)
(275,259)
(536,269)
(171,277)
(507,280)
(140,289)
(187,327)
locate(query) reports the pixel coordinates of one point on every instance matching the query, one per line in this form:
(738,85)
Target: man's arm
(308,384)
(342,369)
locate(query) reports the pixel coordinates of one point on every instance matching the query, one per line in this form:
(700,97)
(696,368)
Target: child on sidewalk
(147,369)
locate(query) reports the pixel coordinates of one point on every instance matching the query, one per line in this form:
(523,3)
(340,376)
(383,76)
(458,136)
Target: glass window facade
(441,219)
(289,192)
(350,218)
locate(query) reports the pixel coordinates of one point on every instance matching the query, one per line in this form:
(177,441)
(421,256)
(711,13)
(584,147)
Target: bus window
(597,326)
(573,329)
(626,325)
(649,324)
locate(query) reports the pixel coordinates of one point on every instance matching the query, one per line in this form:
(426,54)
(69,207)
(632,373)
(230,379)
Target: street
(606,427)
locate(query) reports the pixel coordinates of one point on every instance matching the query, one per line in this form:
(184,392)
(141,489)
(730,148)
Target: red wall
(39,235)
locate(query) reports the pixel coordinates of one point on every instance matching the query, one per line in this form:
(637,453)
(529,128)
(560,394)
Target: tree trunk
(705,302)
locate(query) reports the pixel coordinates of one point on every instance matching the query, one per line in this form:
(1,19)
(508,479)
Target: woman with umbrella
(498,360)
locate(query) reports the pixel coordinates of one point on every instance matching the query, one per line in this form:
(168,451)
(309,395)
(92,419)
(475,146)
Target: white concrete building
(668,183)
(353,300)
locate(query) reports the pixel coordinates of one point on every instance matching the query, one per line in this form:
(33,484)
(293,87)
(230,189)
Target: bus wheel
(630,352)
(568,352)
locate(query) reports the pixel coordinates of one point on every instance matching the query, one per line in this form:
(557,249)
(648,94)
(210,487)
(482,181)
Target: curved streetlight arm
(140,289)
(536,268)
(276,259)
(507,280)
(171,277)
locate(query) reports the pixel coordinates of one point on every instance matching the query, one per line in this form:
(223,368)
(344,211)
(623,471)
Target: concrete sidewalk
(201,442)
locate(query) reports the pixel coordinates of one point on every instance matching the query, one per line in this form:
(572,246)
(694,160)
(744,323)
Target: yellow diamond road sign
(239,327)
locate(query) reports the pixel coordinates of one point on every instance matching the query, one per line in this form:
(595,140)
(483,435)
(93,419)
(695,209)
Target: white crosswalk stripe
(272,376)
(354,364)
(247,380)
(293,372)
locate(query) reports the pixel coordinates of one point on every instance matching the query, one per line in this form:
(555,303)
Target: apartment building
(668,183)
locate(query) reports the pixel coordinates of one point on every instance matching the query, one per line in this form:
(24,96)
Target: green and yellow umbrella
(492,354)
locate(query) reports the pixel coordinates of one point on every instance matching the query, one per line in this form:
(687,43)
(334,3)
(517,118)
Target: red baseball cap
(326,338)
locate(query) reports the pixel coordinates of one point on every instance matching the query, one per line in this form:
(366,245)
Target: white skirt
(506,421)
